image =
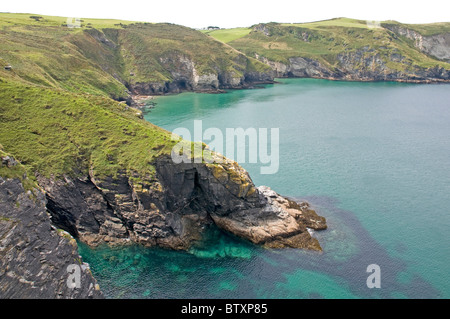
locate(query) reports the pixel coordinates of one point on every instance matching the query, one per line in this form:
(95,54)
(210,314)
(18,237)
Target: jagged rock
(34,256)
(280,223)
(172,209)
(8,161)
(437,45)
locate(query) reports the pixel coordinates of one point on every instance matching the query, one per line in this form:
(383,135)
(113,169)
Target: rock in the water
(280,223)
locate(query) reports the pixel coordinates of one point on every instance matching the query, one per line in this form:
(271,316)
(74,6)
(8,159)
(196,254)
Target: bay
(373,158)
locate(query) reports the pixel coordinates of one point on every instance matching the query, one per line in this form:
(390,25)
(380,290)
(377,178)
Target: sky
(236,13)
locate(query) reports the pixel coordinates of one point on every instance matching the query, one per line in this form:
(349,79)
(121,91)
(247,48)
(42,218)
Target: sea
(373,158)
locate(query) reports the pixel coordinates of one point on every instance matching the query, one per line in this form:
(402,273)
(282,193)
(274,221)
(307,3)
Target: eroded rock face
(186,77)
(279,223)
(34,256)
(363,64)
(437,45)
(173,208)
(298,67)
(369,64)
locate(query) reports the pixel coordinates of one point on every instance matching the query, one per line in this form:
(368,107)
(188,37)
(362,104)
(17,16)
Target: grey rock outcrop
(436,45)
(366,63)
(34,255)
(186,77)
(299,67)
(172,209)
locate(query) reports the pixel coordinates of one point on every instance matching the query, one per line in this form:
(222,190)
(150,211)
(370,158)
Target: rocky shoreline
(171,210)
(306,68)
(36,255)
(357,67)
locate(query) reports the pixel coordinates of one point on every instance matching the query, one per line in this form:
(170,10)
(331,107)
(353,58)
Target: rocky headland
(39,226)
(34,254)
(173,209)
(352,50)
(98,173)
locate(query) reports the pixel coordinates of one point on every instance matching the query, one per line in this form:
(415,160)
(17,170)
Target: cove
(373,158)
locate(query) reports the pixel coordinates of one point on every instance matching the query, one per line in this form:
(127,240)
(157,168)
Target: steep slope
(91,166)
(349,49)
(432,39)
(35,256)
(116,59)
(109,177)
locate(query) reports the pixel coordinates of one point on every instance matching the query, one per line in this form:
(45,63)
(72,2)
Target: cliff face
(436,45)
(364,64)
(346,49)
(154,59)
(173,209)
(35,256)
(367,64)
(185,77)
(123,59)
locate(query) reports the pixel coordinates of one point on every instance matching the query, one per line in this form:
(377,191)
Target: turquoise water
(373,158)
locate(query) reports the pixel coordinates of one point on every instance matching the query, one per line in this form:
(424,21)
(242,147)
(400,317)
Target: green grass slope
(59,112)
(107,57)
(228,35)
(145,48)
(43,51)
(323,41)
(56,132)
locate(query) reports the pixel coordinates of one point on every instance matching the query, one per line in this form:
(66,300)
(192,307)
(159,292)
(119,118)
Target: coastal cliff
(436,45)
(156,59)
(173,209)
(35,255)
(39,224)
(122,60)
(348,49)
(104,175)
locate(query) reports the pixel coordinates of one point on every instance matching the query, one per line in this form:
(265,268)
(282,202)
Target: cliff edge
(36,258)
(172,209)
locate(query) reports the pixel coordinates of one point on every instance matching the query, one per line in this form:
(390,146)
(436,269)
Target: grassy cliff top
(30,19)
(228,35)
(324,40)
(427,29)
(104,57)
(56,132)
(337,22)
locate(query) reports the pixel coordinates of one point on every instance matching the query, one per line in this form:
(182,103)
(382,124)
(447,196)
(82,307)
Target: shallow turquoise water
(374,158)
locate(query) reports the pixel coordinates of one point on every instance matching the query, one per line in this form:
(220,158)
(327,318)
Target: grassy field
(228,35)
(29,19)
(338,22)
